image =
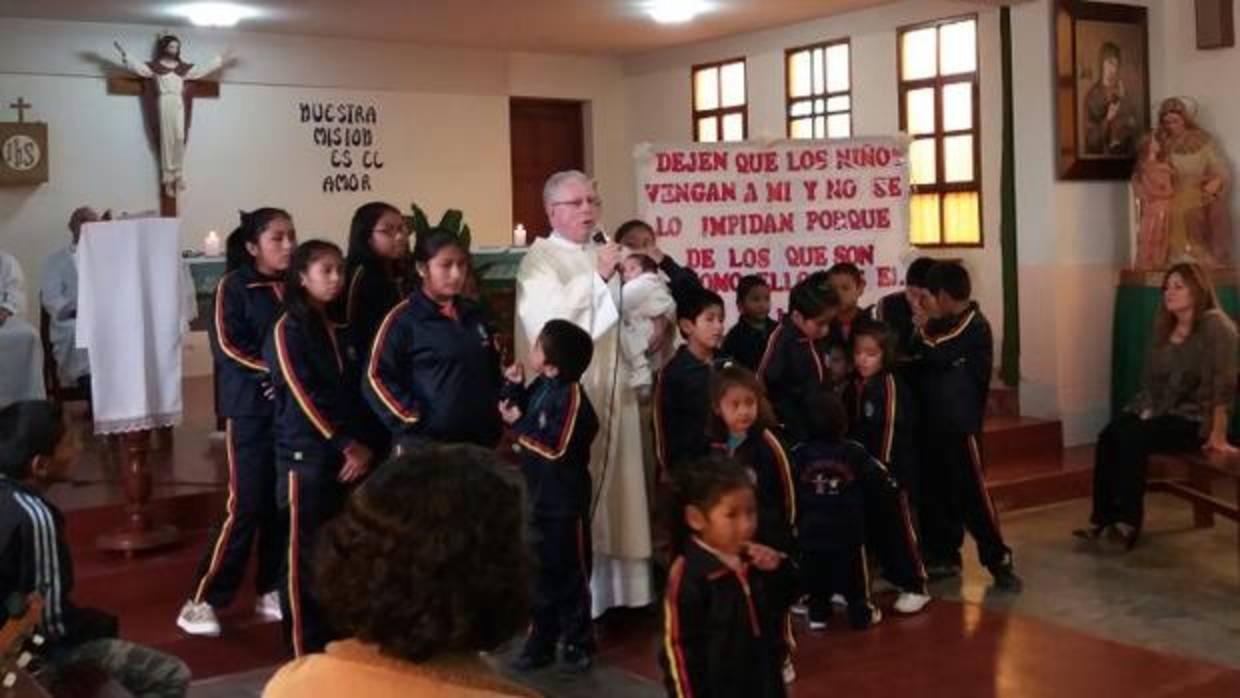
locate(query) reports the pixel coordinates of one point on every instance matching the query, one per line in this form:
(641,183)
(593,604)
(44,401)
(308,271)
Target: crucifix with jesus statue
(167,86)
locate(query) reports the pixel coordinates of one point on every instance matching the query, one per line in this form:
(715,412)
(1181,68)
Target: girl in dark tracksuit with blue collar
(322,440)
(247,301)
(434,361)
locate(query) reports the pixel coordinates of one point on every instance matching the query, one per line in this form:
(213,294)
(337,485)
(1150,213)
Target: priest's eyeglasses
(591,202)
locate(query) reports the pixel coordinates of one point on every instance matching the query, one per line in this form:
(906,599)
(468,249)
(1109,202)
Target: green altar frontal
(1136,302)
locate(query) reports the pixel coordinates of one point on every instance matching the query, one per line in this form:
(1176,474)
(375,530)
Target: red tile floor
(957,649)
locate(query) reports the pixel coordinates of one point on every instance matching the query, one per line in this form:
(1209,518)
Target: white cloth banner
(132,313)
(782,209)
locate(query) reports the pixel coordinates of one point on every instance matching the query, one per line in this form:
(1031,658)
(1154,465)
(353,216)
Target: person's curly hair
(429,556)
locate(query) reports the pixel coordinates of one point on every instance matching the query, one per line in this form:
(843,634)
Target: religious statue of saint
(169,75)
(1181,181)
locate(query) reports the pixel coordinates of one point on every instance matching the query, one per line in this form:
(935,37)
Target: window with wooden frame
(720,105)
(938,91)
(819,90)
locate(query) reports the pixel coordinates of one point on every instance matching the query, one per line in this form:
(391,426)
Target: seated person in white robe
(21,355)
(59,298)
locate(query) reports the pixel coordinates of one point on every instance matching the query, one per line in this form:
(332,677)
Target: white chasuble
(558,279)
(21,354)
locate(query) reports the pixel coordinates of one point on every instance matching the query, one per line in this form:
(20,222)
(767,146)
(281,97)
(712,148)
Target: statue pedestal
(1136,301)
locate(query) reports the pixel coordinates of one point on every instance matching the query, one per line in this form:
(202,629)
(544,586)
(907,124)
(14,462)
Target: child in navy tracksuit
(898,310)
(555,426)
(849,284)
(435,358)
(742,429)
(746,341)
(795,361)
(882,417)
(954,356)
(682,388)
(835,481)
(726,602)
(323,442)
(377,262)
(248,299)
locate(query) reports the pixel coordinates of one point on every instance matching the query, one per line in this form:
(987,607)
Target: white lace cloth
(133,311)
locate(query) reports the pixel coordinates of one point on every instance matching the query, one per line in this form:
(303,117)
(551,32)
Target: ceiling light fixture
(214,14)
(675,11)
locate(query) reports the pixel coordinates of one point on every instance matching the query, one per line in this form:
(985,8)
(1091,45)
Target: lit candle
(211,245)
(518,236)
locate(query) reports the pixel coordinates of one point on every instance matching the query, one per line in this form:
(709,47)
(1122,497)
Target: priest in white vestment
(571,277)
(21,355)
(59,298)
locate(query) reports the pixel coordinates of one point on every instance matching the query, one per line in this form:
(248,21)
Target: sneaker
(800,607)
(267,607)
(817,623)
(838,600)
(1006,579)
(789,671)
(576,660)
(198,619)
(909,602)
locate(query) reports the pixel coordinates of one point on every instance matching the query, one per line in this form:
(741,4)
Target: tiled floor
(1161,621)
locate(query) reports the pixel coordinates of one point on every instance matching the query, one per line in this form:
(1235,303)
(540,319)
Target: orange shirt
(353,669)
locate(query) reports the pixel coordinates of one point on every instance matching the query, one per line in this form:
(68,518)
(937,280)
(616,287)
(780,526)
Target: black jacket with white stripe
(35,557)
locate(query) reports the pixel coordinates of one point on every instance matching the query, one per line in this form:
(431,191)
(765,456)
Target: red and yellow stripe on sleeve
(889,425)
(566,433)
(785,475)
(673,638)
(230,349)
(295,386)
(385,395)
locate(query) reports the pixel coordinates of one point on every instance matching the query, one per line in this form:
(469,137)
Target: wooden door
(547,137)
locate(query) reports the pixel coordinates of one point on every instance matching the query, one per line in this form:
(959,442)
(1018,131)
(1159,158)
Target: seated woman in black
(376,272)
(434,362)
(1184,404)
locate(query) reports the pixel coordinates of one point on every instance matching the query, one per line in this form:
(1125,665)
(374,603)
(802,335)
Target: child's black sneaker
(576,659)
(1006,579)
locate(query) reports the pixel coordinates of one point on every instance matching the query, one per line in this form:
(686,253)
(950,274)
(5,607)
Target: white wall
(442,132)
(659,99)
(1072,236)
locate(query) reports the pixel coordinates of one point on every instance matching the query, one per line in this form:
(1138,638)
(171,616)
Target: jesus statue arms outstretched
(170,74)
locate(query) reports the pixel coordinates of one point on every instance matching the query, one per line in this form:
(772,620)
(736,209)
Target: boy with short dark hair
(682,389)
(954,354)
(746,341)
(796,360)
(903,311)
(555,425)
(849,284)
(37,450)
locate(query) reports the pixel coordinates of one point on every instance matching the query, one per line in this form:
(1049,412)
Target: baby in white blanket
(646,308)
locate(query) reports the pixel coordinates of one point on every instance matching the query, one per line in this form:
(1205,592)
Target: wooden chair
(51,373)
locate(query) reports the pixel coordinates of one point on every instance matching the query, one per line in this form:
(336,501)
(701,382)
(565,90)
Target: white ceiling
(562,26)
